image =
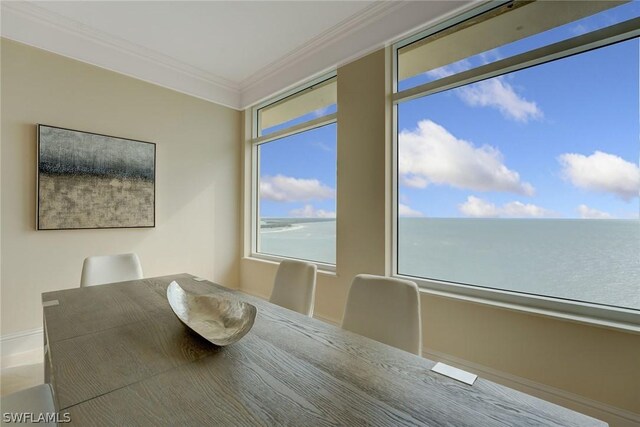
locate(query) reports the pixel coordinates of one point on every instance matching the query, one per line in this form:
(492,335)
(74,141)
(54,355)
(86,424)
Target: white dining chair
(295,286)
(386,310)
(35,400)
(98,270)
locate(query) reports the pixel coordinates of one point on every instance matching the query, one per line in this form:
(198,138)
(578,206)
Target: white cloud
(476,207)
(483,58)
(582,28)
(602,172)
(465,64)
(321,111)
(430,154)
(447,70)
(480,208)
(498,93)
(308,211)
(491,55)
(282,188)
(406,211)
(521,210)
(321,145)
(589,213)
(415,181)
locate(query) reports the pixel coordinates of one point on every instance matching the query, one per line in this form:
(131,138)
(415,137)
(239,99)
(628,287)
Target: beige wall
(361,200)
(591,362)
(594,362)
(197,192)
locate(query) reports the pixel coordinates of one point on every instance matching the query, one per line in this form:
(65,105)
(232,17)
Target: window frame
(582,312)
(258,139)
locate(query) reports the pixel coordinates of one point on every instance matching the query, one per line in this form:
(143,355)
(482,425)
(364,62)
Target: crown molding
(27,23)
(372,13)
(374,27)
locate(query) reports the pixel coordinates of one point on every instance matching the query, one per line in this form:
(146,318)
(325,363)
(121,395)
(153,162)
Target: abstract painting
(87,180)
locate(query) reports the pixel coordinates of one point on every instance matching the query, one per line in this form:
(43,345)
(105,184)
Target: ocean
(594,261)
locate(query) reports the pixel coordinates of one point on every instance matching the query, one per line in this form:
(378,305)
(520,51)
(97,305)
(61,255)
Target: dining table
(116,354)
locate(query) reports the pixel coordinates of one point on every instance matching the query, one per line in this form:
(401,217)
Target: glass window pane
(320,112)
(529,181)
(297,182)
(308,104)
(521,29)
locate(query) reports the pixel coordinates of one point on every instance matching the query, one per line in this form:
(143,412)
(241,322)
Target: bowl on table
(218,319)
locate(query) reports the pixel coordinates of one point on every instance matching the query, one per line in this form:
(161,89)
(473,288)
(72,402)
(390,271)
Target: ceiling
(234,53)
(230,39)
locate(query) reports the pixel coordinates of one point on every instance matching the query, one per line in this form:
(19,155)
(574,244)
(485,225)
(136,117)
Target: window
(295,173)
(517,153)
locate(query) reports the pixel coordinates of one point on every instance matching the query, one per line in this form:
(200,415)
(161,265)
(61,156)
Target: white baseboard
(21,348)
(616,417)
(326,320)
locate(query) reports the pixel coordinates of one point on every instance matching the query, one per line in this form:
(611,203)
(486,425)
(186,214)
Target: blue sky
(558,140)
(583,104)
(298,175)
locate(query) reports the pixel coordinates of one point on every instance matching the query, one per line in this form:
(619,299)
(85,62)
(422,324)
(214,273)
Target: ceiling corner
(35,26)
(380,25)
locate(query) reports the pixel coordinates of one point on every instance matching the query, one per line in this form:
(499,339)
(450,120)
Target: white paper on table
(455,373)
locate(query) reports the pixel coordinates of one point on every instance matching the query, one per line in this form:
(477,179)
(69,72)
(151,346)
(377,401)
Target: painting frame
(39,175)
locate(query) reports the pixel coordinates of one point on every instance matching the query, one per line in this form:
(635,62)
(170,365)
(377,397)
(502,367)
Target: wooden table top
(117,355)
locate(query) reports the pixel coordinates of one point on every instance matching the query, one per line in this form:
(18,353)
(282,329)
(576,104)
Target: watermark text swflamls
(35,417)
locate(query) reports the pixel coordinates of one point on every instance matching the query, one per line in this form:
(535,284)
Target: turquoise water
(586,260)
(309,239)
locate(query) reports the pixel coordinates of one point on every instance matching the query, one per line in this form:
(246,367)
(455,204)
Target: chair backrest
(295,286)
(35,400)
(98,270)
(386,310)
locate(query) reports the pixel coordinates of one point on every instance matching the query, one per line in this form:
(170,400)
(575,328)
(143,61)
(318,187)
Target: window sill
(324,269)
(590,314)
